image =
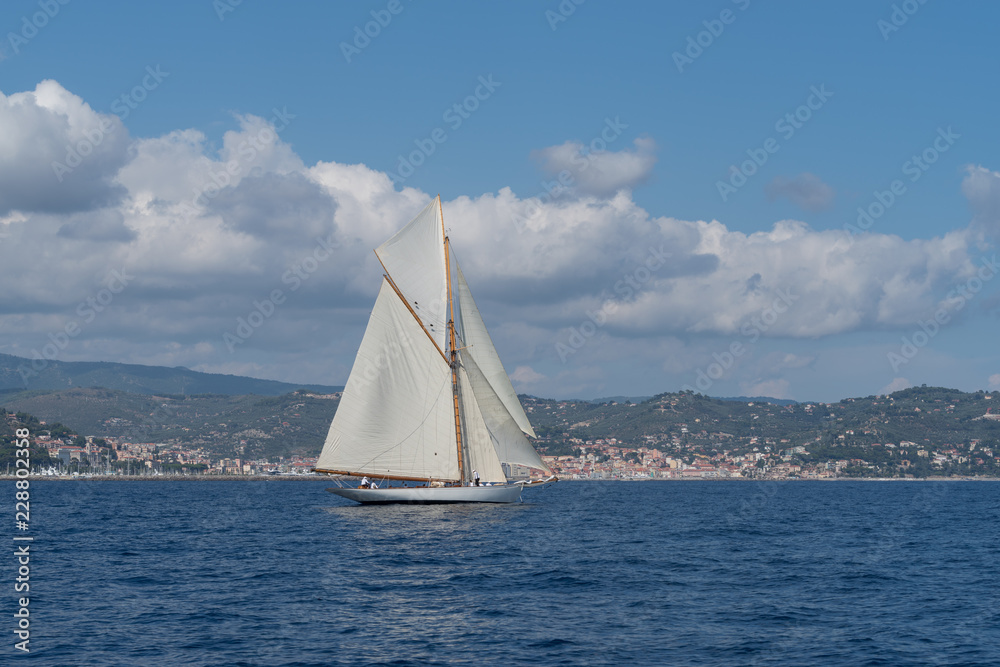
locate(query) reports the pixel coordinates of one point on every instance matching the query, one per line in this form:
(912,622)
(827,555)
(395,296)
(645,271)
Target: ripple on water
(713,573)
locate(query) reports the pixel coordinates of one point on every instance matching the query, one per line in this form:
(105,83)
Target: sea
(580,573)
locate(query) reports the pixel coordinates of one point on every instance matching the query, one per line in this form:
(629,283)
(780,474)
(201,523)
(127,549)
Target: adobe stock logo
(122,106)
(295,276)
(787,125)
(566,179)
(627,287)
(757,326)
(87,310)
(381,18)
(956,301)
(566,9)
(30,27)
(454,116)
(915,167)
(901,13)
(699,43)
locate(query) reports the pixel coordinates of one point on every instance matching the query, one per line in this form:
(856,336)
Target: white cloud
(982,188)
(994,381)
(57,154)
(203,251)
(525,376)
(768,388)
(103,225)
(805,190)
(599,173)
(897,384)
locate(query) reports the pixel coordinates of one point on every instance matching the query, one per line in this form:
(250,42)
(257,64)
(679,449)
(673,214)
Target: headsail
(473,333)
(395,417)
(414,260)
(479,445)
(508,440)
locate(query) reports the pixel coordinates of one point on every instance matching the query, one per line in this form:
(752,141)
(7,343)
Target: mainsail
(424,401)
(414,260)
(395,416)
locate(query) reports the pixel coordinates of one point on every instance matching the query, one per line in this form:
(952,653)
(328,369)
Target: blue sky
(677,129)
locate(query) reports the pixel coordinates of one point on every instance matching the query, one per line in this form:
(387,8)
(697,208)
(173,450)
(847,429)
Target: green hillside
(10,423)
(257,426)
(684,425)
(923,415)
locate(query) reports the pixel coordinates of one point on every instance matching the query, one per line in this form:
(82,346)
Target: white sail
(479,444)
(396,415)
(473,332)
(414,260)
(508,439)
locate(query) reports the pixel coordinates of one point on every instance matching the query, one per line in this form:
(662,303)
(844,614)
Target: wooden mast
(454,348)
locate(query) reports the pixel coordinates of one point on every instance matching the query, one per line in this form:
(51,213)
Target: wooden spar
(454,347)
(380,475)
(402,298)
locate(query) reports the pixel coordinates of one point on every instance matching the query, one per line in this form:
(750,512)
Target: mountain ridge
(20,374)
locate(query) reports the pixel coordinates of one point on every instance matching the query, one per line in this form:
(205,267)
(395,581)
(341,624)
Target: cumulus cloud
(273,205)
(994,381)
(982,188)
(525,376)
(897,384)
(208,235)
(599,172)
(103,225)
(806,191)
(804,283)
(768,388)
(57,154)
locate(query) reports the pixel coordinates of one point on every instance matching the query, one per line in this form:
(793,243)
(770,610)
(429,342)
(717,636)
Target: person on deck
(365,483)
(475,477)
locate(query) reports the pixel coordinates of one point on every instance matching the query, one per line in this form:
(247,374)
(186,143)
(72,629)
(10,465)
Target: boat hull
(432,496)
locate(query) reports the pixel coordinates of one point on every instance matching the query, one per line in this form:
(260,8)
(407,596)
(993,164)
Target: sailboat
(428,405)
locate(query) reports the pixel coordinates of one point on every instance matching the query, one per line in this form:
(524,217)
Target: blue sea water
(582,573)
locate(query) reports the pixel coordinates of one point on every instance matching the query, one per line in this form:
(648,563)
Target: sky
(786,199)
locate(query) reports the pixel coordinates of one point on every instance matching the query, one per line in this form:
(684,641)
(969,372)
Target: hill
(758,399)
(249,425)
(920,414)
(926,430)
(884,433)
(18,374)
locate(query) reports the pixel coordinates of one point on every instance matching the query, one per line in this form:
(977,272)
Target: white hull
(426,495)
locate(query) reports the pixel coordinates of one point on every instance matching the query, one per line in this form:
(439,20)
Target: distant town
(107,456)
(855,438)
(606,460)
(915,433)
